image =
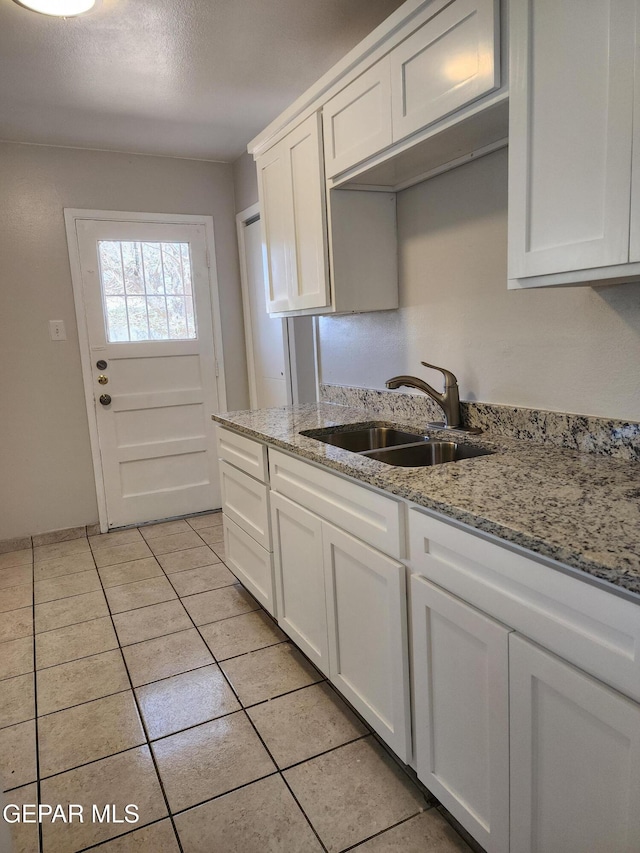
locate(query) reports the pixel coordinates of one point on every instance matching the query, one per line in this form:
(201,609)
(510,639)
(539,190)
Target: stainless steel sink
(427,453)
(395,447)
(366,438)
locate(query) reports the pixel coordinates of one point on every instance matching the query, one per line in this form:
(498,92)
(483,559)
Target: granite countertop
(577,509)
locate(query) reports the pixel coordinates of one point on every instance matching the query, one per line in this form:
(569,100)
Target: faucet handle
(449,378)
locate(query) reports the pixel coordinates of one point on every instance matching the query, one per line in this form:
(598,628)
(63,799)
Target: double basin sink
(394,446)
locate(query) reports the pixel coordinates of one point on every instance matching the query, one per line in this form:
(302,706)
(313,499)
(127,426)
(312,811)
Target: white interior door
(144,299)
(267,338)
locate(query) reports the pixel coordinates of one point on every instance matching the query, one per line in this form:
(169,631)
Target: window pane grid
(147,291)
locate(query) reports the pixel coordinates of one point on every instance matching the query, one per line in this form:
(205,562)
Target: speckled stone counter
(577,509)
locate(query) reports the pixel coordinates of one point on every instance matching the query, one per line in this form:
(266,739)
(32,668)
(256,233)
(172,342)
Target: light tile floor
(134,669)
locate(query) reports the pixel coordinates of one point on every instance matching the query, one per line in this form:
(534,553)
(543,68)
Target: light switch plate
(57,330)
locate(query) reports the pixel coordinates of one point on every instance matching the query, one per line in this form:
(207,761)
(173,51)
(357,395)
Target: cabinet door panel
(451,60)
(250,563)
(460,665)
(570,127)
(246,502)
(277,227)
(575,759)
(300,588)
(367,626)
(357,121)
(310,277)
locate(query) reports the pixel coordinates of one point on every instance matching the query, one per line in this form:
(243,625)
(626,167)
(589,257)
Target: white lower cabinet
(250,563)
(575,759)
(529,752)
(461,683)
(244,475)
(300,588)
(344,604)
(366,618)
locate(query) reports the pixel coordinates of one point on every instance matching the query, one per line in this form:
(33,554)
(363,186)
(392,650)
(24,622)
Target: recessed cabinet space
(574,143)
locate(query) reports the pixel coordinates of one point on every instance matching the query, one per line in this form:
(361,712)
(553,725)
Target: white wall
(565,349)
(46,475)
(245,182)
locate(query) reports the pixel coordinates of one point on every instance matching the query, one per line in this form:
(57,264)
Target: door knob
(105,399)
(102,379)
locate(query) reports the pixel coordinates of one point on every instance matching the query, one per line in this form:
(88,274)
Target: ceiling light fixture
(59,8)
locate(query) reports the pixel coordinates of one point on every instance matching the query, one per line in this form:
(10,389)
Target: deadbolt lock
(101,365)
(102,379)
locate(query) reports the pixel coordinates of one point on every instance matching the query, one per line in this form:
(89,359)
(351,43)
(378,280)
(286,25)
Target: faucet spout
(449,400)
(414,382)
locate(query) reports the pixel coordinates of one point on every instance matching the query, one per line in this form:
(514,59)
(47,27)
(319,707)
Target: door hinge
(217,368)
(208,259)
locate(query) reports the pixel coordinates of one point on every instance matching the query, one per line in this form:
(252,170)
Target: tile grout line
(259,736)
(383,831)
(144,728)
(99,844)
(242,707)
(35,682)
(370,732)
(244,711)
(35,700)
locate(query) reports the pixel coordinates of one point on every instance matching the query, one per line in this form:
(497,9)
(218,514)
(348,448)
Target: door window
(146,291)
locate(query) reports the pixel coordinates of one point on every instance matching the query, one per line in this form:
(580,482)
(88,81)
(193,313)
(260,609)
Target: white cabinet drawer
(248,455)
(371,517)
(246,501)
(594,629)
(357,121)
(250,563)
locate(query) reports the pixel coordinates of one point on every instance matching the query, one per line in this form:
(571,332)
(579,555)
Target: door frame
(71,216)
(244,218)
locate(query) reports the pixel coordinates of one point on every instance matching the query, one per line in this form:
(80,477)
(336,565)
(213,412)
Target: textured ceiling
(187,78)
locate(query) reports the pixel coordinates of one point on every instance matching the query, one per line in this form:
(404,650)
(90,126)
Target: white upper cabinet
(450,60)
(357,121)
(308,270)
(570,142)
(447,56)
(292,200)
